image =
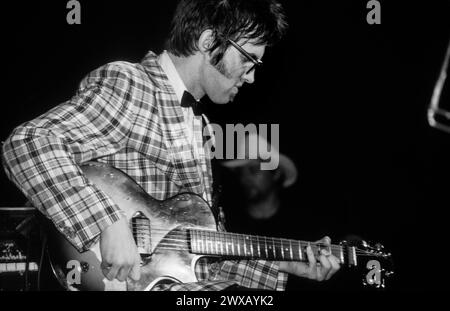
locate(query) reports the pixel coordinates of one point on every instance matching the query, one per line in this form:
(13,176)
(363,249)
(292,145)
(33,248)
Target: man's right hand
(120,257)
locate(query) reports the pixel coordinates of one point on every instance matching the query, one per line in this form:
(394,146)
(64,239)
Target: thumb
(135,272)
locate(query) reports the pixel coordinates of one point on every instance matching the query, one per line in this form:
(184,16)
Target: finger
(105,264)
(325,240)
(106,267)
(334,266)
(135,272)
(311,259)
(123,273)
(325,268)
(112,272)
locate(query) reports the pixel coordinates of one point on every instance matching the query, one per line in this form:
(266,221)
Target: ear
(205,41)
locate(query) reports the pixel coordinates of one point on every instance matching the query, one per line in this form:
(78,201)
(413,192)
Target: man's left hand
(323,270)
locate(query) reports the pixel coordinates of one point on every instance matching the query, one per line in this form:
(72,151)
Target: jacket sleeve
(222,275)
(42,156)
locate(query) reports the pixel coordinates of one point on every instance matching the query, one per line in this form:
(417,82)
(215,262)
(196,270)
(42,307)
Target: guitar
(172,235)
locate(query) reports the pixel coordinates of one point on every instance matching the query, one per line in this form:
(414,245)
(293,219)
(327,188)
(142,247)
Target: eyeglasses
(256,62)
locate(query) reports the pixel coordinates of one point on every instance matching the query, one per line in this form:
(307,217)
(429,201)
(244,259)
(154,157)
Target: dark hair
(260,20)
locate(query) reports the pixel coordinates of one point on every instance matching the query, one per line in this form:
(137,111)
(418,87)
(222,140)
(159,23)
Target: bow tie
(189,101)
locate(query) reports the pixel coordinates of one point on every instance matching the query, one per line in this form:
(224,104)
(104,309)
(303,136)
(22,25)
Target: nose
(249,77)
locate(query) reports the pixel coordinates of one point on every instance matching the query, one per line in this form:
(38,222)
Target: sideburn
(222,68)
(219,64)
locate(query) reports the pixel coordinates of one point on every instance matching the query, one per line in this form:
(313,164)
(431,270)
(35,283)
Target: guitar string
(175,233)
(164,242)
(277,242)
(274,243)
(261,241)
(280,245)
(247,253)
(357,251)
(183,235)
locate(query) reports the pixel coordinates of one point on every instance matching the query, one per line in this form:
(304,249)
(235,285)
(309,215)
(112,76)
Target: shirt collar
(172,74)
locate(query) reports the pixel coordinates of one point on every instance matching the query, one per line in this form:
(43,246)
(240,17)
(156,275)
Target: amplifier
(19,248)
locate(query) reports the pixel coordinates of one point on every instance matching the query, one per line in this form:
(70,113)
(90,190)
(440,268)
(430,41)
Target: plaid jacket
(126,115)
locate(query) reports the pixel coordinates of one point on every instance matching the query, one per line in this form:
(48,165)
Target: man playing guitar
(141,118)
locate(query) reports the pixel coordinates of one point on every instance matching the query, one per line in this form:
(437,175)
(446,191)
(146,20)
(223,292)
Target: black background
(350,98)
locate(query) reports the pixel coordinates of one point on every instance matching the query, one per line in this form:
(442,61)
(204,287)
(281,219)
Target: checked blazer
(128,116)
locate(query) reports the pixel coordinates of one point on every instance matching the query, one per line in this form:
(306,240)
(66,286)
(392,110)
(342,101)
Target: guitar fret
(203,239)
(246,252)
(217,240)
(203,245)
(274,249)
(238,248)
(213,242)
(199,241)
(300,252)
(290,250)
(245,247)
(265,247)
(216,243)
(210,242)
(226,245)
(194,241)
(259,250)
(230,243)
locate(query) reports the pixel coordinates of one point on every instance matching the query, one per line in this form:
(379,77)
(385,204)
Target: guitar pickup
(140,227)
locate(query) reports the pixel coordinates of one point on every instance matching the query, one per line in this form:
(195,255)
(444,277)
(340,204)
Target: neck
(188,69)
(209,242)
(265,208)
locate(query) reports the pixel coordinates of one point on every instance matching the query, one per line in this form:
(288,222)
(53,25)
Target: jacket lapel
(173,127)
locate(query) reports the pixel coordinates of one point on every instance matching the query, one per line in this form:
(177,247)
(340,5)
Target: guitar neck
(260,247)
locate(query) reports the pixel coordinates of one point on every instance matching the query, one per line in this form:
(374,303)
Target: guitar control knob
(84,266)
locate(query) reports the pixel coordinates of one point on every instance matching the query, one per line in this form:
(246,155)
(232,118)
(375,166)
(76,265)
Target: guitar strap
(216,206)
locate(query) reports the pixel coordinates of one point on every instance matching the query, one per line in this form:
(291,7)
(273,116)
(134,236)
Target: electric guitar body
(154,223)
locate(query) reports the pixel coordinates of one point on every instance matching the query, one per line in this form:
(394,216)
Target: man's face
(222,82)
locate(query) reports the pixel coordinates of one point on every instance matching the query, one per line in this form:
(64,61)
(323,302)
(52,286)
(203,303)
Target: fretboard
(258,247)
